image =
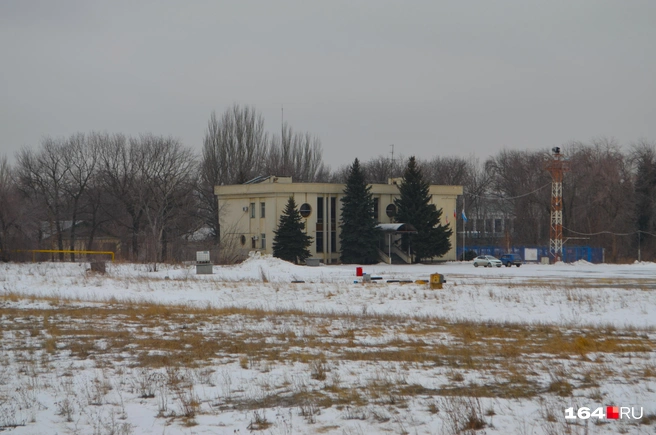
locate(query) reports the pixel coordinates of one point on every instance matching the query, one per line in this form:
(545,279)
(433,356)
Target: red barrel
(358,271)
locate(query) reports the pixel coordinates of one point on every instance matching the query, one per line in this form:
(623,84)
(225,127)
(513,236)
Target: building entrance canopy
(397,228)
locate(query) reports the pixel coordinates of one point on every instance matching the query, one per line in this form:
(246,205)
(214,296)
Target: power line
(509,198)
(609,232)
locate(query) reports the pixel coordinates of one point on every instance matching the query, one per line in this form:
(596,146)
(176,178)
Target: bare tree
(466,172)
(296,155)
(41,177)
(238,144)
(380,169)
(340,175)
(449,171)
(598,195)
(10,211)
(518,189)
(234,151)
(166,173)
(208,177)
(119,178)
(80,158)
(96,200)
(643,160)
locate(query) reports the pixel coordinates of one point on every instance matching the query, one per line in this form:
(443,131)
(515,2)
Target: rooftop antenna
(392,153)
(282,122)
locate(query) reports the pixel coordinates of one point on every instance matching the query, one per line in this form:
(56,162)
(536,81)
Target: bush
(469,255)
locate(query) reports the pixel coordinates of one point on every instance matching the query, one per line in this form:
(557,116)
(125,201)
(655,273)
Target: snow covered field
(498,351)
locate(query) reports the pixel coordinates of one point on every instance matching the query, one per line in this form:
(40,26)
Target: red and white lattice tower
(557,166)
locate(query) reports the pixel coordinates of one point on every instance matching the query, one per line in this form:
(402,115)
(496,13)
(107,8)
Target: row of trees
(141,188)
(609,195)
(359,235)
(151,193)
(154,194)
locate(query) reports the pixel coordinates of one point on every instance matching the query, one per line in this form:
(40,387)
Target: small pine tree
(290,242)
(413,207)
(359,236)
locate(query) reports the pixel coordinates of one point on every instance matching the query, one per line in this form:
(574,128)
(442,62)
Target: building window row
(262,210)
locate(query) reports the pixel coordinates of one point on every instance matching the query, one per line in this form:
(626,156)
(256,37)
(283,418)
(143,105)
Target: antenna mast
(557,166)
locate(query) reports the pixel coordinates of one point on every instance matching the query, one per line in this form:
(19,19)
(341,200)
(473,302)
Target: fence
(34,252)
(570,253)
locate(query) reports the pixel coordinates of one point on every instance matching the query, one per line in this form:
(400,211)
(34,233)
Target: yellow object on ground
(436,280)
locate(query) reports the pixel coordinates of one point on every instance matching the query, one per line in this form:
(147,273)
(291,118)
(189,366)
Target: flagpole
(463,227)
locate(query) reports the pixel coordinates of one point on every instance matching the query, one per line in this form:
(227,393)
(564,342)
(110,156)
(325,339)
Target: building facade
(249,213)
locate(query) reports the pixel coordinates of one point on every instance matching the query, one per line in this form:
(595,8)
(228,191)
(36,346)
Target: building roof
(284,186)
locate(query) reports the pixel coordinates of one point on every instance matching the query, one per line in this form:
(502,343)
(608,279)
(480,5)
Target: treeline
(154,195)
(609,196)
(151,194)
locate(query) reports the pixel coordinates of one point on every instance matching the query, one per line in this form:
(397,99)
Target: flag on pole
(464,218)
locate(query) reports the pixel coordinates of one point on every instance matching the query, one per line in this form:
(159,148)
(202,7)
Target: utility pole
(557,166)
(464,230)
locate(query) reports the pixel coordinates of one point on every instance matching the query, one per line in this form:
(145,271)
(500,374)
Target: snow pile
(582,263)
(644,263)
(265,268)
(271,263)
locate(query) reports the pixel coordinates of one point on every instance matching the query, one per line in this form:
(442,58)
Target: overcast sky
(431,77)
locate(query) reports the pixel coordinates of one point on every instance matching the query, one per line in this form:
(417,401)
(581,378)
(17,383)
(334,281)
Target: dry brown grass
(154,336)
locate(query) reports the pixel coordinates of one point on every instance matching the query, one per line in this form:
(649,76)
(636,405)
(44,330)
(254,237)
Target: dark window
(263,241)
(252,210)
(333,224)
(390,210)
(253,245)
(375,214)
(333,209)
(305,210)
(262,209)
(243,240)
(319,239)
(319,209)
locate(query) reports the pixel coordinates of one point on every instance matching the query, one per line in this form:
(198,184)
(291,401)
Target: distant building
(101,240)
(250,212)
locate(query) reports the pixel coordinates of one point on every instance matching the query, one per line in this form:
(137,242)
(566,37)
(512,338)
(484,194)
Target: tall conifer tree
(290,242)
(359,235)
(414,207)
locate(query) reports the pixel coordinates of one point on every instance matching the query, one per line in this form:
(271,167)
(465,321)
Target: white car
(487,261)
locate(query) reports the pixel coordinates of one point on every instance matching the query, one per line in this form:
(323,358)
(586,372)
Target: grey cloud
(449,78)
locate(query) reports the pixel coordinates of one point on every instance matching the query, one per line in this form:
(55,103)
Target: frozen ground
(621,295)
(513,347)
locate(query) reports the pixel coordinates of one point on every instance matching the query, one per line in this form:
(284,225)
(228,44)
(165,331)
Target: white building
(249,213)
